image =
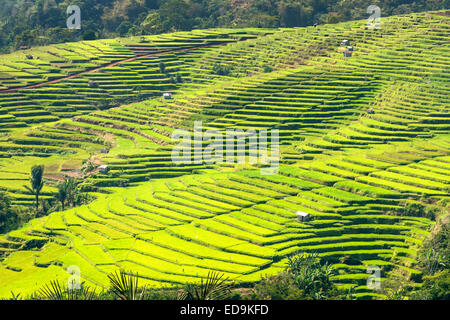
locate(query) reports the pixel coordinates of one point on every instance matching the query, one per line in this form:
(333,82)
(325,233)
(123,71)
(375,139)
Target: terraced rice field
(360,138)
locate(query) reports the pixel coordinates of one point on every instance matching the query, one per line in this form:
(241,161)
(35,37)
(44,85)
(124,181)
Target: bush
(305,277)
(11,218)
(415,209)
(268,69)
(8,218)
(279,287)
(162,67)
(221,70)
(436,287)
(310,275)
(89,35)
(435,254)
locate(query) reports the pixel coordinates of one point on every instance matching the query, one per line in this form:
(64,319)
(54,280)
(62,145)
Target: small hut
(167,95)
(348,52)
(92,84)
(104,150)
(24,48)
(303,216)
(345,43)
(103,168)
(29,57)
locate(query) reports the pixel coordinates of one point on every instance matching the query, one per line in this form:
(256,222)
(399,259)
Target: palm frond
(214,287)
(52,291)
(57,291)
(125,286)
(29,189)
(15,296)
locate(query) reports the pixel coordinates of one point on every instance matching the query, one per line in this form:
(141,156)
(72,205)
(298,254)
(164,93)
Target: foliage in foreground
(214,287)
(11,217)
(306,277)
(433,261)
(126,286)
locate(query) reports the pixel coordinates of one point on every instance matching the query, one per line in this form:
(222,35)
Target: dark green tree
(8,217)
(37,182)
(162,67)
(89,35)
(61,196)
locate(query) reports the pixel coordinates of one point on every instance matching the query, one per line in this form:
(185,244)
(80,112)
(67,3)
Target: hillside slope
(360,139)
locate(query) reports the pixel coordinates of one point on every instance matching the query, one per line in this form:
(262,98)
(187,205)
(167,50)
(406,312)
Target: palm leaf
(214,287)
(57,291)
(124,286)
(29,189)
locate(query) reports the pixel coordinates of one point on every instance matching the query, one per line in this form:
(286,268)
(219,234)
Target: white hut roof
(302,214)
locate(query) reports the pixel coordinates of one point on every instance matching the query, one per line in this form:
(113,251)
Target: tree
(61,196)
(89,35)
(177,14)
(162,67)
(152,24)
(295,13)
(310,275)
(8,217)
(305,277)
(37,182)
(72,191)
(221,70)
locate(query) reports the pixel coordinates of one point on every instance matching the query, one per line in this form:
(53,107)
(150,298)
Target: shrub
(305,277)
(162,67)
(416,209)
(436,287)
(279,287)
(89,35)
(268,69)
(435,254)
(221,70)
(310,275)
(9,218)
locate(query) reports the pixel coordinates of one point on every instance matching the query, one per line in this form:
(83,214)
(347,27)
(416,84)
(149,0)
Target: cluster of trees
(434,262)
(306,277)
(10,217)
(27,23)
(69,193)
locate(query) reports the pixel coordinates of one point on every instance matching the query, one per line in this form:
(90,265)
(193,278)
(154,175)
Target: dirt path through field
(108,65)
